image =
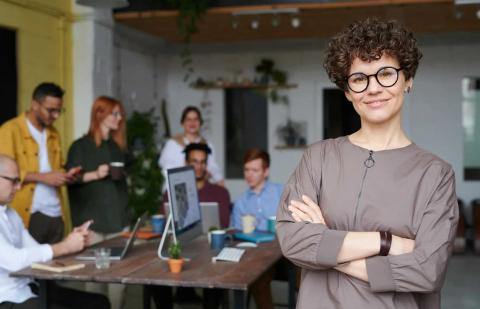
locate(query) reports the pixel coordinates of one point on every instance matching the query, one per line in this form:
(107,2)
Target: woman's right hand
(401,245)
(102,171)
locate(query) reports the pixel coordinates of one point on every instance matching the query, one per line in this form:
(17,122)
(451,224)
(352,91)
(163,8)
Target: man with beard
(32,141)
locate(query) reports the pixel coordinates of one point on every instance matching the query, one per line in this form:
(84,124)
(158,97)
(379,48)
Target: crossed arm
(356,247)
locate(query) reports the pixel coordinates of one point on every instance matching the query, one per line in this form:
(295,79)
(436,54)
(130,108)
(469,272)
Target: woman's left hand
(307,211)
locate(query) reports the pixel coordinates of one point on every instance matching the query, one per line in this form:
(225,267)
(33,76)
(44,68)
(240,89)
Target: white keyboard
(229,254)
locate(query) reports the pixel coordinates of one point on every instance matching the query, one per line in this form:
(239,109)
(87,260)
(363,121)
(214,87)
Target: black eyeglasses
(15,180)
(386,77)
(52,111)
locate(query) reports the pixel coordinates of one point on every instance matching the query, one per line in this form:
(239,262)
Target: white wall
(432,115)
(140,71)
(111,59)
(143,70)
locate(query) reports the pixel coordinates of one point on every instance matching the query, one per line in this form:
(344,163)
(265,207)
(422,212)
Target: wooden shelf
(245,86)
(284,147)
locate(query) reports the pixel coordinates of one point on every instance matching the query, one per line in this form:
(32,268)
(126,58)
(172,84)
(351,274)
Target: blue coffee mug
(217,239)
(272,221)
(158,222)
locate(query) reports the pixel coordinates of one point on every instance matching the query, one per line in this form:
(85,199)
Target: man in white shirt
(19,250)
(34,143)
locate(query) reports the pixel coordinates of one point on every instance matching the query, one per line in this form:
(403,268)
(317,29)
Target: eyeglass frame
(14,180)
(52,111)
(116,114)
(376,78)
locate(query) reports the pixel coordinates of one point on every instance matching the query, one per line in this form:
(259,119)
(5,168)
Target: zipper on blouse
(368,163)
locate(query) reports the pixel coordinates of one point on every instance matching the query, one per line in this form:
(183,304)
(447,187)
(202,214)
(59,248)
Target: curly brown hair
(368,40)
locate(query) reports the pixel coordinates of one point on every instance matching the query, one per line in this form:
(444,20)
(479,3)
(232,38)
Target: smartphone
(75,170)
(87,224)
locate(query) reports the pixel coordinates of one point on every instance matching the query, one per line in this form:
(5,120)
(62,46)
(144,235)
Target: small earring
(407,90)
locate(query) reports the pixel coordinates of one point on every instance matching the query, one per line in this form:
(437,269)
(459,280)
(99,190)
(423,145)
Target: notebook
(58,267)
(116,253)
(256,237)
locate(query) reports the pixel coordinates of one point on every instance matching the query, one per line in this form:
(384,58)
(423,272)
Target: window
(8,78)
(246,126)
(471,127)
(339,116)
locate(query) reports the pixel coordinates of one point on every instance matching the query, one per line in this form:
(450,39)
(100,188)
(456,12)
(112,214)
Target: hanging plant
(270,75)
(190,12)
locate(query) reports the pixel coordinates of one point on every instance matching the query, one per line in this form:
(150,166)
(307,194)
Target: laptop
(116,253)
(210,216)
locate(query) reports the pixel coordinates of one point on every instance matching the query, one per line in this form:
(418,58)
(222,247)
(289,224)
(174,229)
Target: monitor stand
(169,229)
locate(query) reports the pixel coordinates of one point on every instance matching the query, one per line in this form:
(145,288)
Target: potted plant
(144,175)
(175,262)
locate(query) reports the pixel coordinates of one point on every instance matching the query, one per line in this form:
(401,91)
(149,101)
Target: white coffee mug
(248,224)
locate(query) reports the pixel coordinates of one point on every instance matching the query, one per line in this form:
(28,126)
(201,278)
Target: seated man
(19,250)
(261,200)
(196,155)
(262,197)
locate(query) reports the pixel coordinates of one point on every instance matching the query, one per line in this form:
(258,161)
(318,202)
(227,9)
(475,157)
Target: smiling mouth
(375,103)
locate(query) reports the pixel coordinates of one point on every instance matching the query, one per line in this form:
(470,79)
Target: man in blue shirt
(262,198)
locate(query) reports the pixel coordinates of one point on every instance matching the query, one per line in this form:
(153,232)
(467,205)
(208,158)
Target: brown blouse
(407,191)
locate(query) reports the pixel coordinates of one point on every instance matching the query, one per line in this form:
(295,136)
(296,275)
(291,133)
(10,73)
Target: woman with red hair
(97,195)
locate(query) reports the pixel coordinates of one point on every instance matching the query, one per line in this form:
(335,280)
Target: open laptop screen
(183,197)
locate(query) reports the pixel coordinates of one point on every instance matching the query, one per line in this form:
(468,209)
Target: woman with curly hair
(370,217)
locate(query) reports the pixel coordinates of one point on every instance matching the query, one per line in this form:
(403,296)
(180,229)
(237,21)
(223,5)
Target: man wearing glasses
(19,250)
(34,143)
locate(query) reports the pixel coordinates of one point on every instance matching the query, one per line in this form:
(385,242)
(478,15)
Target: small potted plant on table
(175,262)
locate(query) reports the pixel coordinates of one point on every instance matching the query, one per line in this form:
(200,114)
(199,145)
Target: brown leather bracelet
(385,243)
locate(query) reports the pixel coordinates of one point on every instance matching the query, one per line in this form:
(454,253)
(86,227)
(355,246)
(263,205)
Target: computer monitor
(185,216)
(183,197)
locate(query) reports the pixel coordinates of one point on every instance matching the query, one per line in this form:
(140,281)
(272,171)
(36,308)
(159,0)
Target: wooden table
(142,266)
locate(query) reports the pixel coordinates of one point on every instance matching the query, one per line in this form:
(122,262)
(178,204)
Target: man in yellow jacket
(32,141)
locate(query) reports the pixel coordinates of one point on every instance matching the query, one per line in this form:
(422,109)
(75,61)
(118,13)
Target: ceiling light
(235,22)
(295,22)
(458,14)
(255,24)
(104,4)
(275,21)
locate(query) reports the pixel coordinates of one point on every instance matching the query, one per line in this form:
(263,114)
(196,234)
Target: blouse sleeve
(169,157)
(74,156)
(424,269)
(308,245)
(213,167)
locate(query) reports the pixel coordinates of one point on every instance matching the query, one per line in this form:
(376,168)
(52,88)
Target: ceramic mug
(158,223)
(271,224)
(116,170)
(248,224)
(217,239)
